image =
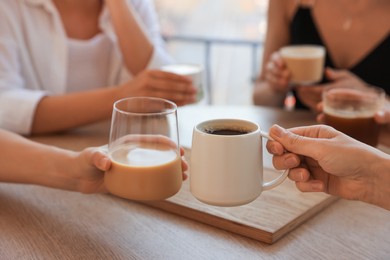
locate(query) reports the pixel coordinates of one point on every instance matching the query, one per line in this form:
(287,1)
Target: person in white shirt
(64,62)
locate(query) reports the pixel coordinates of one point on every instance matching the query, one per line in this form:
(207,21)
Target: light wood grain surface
(43,223)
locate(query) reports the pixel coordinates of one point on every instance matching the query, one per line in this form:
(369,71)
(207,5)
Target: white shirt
(88,63)
(34,56)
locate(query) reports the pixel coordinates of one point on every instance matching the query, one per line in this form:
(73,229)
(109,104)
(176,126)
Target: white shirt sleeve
(17,109)
(147,14)
(17,104)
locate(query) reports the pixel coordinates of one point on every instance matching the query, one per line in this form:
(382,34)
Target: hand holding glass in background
(194,72)
(352,111)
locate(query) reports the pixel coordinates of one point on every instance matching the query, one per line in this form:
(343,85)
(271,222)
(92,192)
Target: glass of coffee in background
(352,111)
(144,150)
(305,63)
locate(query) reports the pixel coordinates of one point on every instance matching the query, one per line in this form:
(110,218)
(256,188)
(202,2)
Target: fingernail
(301,175)
(278,131)
(103,163)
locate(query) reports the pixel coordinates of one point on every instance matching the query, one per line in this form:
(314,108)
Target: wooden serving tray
(272,215)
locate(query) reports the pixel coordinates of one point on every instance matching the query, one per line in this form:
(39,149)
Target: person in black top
(355,34)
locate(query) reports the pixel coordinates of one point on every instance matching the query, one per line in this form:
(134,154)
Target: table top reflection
(43,223)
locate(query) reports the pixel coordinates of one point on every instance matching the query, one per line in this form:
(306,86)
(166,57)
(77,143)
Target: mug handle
(272,184)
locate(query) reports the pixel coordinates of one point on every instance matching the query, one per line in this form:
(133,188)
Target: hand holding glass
(352,111)
(192,71)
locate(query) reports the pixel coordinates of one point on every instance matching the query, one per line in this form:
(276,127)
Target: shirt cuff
(17,109)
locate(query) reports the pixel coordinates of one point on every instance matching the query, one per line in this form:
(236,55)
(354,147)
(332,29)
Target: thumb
(295,143)
(382,117)
(101,161)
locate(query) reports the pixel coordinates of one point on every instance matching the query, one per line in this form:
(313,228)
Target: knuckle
(295,139)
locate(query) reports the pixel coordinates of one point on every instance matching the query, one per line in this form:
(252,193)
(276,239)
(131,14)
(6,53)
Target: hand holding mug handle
(272,184)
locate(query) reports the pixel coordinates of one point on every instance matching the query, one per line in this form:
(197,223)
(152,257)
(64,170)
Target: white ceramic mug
(192,71)
(227,169)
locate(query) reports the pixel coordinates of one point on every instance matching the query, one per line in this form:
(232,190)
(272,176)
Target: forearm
(63,112)
(263,95)
(24,161)
(136,47)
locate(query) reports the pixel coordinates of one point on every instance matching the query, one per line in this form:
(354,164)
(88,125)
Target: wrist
(57,172)
(120,92)
(378,179)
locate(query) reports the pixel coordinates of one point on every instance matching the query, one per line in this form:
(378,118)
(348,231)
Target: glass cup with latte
(305,63)
(144,150)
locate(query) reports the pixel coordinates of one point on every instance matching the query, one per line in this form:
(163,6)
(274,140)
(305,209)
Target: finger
(311,132)
(159,74)
(286,161)
(301,140)
(299,175)
(184,165)
(271,72)
(276,70)
(312,89)
(321,118)
(271,79)
(382,117)
(277,59)
(180,98)
(171,85)
(274,148)
(311,186)
(277,83)
(101,161)
(320,106)
(279,74)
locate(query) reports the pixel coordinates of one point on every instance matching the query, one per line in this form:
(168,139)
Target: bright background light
(222,19)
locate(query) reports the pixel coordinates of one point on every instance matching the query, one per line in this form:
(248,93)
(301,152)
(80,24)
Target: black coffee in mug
(226,132)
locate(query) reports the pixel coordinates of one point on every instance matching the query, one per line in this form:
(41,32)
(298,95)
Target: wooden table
(43,223)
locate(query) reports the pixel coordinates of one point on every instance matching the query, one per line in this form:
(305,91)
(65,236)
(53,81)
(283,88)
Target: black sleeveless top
(373,69)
